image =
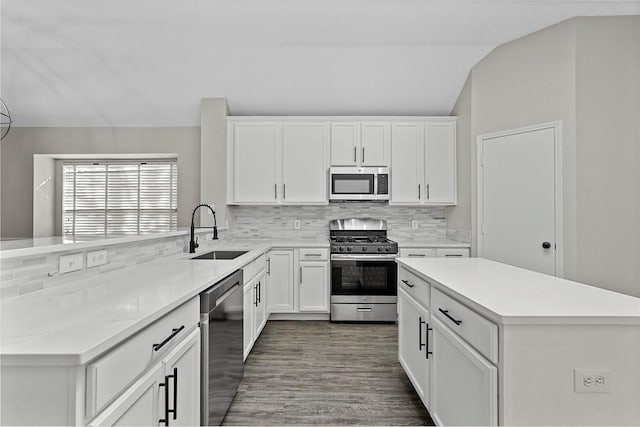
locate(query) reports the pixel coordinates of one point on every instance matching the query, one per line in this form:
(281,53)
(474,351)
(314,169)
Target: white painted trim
(557,130)
(115,156)
(343,118)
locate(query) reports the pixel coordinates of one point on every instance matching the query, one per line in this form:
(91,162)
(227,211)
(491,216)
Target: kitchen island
(487,343)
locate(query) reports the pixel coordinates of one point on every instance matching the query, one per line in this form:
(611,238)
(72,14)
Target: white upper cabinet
(423,163)
(255,155)
(360,143)
(275,162)
(305,154)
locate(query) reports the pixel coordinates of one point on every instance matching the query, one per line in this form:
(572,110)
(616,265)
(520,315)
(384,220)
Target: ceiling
(149,62)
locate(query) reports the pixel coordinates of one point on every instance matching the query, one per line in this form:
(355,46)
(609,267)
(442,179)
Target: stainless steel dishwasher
(222,365)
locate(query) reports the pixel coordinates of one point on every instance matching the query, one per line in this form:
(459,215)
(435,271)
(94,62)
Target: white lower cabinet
(254,302)
(413,335)
(248,322)
(260,318)
(464,385)
(313,287)
(167,394)
(280,281)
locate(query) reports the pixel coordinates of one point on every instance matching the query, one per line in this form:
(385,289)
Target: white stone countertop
(512,295)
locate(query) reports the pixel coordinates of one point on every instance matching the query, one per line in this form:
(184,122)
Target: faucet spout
(193,243)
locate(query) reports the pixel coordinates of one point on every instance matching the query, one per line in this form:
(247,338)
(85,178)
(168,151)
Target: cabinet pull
(417,255)
(174,332)
(449,255)
(259,292)
(418,191)
(300,275)
(275,191)
(427,353)
(165,384)
(406,282)
(446,313)
(362,155)
(269,266)
(427,191)
(354,154)
(312,255)
(364,309)
(255,295)
(420,343)
(284,191)
(174,411)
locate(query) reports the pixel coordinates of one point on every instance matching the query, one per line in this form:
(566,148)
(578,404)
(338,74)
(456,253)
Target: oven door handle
(381,257)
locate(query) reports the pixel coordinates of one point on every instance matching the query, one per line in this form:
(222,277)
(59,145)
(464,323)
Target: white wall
(18,149)
(608,152)
(584,72)
(44,196)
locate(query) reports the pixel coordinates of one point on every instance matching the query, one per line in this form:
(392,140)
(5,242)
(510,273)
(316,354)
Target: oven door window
(352,184)
(363,277)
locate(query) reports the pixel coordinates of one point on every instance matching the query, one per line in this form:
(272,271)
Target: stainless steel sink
(220,255)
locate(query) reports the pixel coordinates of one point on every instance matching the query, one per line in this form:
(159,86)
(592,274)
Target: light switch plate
(68,263)
(96,258)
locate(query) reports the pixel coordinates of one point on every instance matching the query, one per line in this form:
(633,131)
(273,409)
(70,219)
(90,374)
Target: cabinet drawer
(478,331)
(416,253)
(318,254)
(109,375)
(414,286)
(453,252)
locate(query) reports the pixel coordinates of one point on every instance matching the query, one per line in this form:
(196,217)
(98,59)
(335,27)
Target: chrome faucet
(193,243)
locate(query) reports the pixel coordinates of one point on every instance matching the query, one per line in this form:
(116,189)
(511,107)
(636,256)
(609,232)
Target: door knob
(546,245)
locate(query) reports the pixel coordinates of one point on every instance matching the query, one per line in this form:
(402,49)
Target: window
(119,197)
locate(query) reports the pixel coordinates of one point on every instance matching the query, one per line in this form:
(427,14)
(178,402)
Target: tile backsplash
(277,221)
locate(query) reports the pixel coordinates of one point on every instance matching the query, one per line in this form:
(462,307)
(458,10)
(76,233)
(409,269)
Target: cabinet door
(182,369)
(249,299)
(313,294)
(375,144)
(463,383)
(440,163)
(256,162)
(305,155)
(413,324)
(280,281)
(260,318)
(345,139)
(407,147)
(139,405)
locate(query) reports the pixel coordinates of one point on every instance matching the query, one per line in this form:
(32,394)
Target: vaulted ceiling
(149,62)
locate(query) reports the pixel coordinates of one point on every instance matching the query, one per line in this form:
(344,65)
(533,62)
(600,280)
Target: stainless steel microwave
(353,183)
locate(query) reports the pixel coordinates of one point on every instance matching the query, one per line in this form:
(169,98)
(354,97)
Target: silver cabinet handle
(300,276)
(307,255)
(453,255)
(362,154)
(354,154)
(418,191)
(269,266)
(275,191)
(416,255)
(364,309)
(427,191)
(284,191)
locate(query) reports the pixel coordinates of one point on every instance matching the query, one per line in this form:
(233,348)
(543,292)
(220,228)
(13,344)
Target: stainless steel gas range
(363,271)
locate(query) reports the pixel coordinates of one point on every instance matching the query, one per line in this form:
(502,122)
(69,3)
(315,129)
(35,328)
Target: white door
(313,294)
(182,368)
(464,385)
(517,209)
(305,162)
(280,281)
(440,163)
(345,139)
(412,343)
(375,150)
(256,169)
(407,147)
(261,306)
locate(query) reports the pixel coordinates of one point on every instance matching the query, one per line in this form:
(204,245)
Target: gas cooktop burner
(361,236)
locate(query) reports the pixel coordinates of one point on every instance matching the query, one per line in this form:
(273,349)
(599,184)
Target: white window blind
(119,197)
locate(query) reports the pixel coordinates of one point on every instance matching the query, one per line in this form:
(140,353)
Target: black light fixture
(6,119)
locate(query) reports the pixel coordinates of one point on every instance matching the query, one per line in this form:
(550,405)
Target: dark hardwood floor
(317,372)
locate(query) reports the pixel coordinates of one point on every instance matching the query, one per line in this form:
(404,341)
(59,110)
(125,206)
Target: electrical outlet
(414,224)
(96,258)
(67,263)
(296,224)
(592,380)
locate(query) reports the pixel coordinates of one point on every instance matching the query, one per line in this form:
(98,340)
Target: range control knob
(349,249)
(341,248)
(387,249)
(379,249)
(364,249)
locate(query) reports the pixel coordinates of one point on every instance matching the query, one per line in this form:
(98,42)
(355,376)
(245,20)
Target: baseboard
(299,316)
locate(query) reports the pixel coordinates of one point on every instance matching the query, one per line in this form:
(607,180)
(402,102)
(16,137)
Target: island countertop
(512,295)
